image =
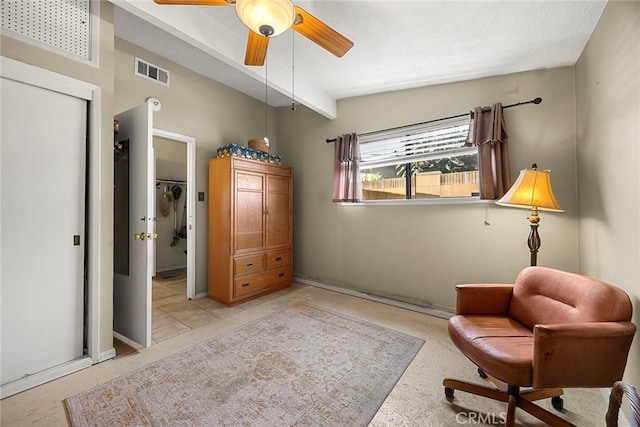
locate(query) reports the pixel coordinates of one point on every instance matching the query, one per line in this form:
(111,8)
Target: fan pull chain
(266,104)
(293,71)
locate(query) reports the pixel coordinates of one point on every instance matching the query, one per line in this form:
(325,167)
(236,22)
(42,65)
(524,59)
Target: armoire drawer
(280,275)
(278,258)
(251,284)
(248,264)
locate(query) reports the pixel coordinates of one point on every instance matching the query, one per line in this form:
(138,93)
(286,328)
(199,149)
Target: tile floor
(174,314)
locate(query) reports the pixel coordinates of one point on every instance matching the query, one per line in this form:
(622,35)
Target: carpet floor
(298,366)
(417,400)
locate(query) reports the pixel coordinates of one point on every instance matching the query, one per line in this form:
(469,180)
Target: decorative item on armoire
(259,144)
(236,150)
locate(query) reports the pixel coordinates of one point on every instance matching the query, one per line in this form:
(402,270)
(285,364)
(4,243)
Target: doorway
(175,209)
(135,219)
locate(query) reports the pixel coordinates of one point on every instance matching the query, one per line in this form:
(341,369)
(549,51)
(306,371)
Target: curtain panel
(488,132)
(346,182)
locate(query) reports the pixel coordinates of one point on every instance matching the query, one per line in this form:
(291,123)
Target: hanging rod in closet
(170,181)
(533,101)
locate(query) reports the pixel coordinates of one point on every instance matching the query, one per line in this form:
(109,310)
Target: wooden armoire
(250,228)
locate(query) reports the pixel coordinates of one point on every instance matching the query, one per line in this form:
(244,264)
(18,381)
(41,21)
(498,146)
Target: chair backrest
(546,296)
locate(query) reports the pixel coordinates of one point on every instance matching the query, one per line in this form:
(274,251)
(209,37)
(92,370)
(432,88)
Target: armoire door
(278,211)
(249,233)
(42,228)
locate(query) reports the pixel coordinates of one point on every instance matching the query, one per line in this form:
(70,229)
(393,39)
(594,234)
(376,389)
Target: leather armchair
(549,330)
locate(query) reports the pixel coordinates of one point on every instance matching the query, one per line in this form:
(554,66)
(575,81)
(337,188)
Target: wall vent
(151,72)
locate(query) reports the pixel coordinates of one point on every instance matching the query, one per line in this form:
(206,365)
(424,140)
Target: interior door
(42,190)
(132,287)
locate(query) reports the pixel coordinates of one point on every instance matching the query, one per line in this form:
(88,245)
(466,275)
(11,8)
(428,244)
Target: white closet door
(43,142)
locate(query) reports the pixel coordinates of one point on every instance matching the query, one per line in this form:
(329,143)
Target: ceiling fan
(269,18)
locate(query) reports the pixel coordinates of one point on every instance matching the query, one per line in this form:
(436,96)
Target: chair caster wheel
(557,403)
(448,392)
(482,374)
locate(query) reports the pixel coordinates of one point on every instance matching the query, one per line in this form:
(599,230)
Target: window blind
(429,141)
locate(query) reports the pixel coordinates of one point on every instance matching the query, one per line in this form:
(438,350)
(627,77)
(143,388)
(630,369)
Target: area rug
(300,366)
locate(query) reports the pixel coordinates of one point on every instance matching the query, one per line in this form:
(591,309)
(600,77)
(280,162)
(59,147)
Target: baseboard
(444,312)
(202,295)
(171,268)
(127,341)
(45,376)
(106,355)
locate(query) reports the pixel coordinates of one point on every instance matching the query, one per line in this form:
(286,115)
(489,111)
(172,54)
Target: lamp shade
(532,189)
(266,17)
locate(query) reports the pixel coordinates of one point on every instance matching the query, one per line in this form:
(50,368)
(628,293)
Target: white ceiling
(398,44)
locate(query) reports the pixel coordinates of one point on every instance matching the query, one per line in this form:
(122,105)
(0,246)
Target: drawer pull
(281,275)
(279,258)
(249,264)
(244,285)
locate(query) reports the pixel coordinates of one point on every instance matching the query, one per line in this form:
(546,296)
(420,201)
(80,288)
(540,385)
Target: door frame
(191,204)
(40,77)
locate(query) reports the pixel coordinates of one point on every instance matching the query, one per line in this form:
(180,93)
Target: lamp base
(534,238)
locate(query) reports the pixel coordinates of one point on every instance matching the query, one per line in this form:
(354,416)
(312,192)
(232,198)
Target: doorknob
(140,236)
(151,236)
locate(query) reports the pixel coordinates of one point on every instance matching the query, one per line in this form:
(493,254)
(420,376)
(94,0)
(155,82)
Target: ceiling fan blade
(256,49)
(320,33)
(196,2)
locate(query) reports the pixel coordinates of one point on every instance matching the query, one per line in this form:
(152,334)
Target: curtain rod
(533,101)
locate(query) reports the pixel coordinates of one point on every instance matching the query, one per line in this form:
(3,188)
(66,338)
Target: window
(424,161)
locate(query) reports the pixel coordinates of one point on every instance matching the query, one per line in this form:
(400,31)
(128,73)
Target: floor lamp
(532,190)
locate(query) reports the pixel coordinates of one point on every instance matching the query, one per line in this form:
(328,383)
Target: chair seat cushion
(499,345)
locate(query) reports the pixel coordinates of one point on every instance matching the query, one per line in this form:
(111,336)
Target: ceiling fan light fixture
(266,17)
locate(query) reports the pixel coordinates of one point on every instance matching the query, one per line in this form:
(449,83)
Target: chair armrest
(580,354)
(484,299)
(615,400)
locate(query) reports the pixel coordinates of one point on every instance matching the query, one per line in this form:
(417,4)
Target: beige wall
(103,77)
(171,164)
(420,252)
(608,136)
(195,106)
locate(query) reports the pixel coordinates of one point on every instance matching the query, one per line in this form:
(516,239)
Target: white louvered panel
(63,24)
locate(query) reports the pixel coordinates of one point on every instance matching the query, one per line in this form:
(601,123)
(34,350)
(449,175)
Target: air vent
(151,72)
